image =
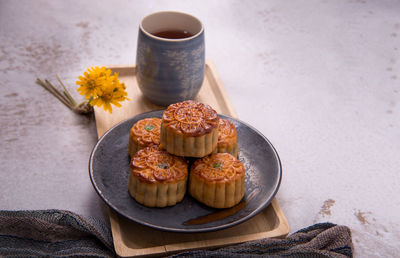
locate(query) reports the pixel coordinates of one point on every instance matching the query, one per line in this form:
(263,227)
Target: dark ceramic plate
(109,170)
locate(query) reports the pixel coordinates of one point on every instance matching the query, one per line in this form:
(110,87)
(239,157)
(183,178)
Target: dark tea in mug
(173,34)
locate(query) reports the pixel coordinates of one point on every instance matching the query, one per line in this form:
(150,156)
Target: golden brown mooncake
(157,178)
(227,138)
(217,180)
(189,129)
(144,133)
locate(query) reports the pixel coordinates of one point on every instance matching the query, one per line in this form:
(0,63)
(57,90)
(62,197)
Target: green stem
(58,93)
(66,92)
(50,88)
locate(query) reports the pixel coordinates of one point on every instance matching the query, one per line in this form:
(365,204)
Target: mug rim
(171,40)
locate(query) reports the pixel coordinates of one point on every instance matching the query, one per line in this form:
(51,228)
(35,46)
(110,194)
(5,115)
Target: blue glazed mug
(170,57)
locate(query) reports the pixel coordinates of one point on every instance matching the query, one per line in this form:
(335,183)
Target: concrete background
(319,78)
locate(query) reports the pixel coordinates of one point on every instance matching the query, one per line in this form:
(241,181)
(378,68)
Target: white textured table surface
(321,79)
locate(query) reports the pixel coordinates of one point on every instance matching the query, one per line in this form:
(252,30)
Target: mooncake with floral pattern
(157,178)
(144,133)
(189,129)
(217,180)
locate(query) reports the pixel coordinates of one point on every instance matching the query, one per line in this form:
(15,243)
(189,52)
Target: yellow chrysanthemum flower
(102,88)
(91,82)
(111,92)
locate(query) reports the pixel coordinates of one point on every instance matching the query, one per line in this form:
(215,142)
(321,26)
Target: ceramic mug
(170,57)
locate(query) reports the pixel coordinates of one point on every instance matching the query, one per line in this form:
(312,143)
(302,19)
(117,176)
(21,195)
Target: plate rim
(180,230)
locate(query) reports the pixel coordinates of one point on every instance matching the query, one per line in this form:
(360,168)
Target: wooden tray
(133,239)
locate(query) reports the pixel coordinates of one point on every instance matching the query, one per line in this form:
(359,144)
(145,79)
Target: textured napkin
(54,233)
(59,233)
(319,240)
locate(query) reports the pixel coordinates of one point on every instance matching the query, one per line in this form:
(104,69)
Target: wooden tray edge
(219,91)
(281,231)
(124,251)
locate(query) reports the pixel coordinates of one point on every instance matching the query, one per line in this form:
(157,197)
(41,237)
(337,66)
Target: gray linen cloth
(60,233)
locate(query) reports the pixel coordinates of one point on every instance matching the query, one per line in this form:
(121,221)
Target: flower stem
(59,94)
(66,92)
(65,97)
(50,88)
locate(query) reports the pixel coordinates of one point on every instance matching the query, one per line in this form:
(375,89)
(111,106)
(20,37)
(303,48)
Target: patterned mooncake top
(153,165)
(190,118)
(146,132)
(218,167)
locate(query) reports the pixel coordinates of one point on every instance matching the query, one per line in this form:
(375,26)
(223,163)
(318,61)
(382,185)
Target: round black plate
(109,170)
